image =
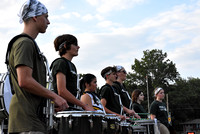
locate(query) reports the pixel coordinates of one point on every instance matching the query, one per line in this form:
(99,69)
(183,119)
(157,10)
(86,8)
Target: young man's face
(122,74)
(73,50)
(112,77)
(42,22)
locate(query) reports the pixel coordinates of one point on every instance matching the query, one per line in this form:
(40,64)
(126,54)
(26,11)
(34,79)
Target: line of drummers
(110,110)
(113,110)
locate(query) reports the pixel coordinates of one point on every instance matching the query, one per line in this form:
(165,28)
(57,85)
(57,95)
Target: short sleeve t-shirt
(126,101)
(112,101)
(24,106)
(69,70)
(138,108)
(159,109)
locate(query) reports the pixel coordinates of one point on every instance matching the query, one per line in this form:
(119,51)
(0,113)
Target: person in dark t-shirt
(138,98)
(64,71)
(110,99)
(158,110)
(120,87)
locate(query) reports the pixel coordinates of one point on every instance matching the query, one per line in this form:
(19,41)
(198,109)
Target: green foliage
(155,66)
(184,99)
(156,70)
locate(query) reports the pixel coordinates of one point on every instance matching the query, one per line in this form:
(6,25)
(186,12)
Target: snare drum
(79,122)
(5,96)
(148,123)
(139,129)
(112,124)
(125,128)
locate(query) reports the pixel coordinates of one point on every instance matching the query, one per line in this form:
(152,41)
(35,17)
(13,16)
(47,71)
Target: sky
(115,32)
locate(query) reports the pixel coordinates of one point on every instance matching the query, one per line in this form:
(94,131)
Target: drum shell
(112,122)
(149,124)
(139,129)
(125,128)
(83,124)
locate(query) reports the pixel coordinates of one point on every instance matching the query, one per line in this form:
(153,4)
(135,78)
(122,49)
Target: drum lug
(130,131)
(91,123)
(104,125)
(117,126)
(70,123)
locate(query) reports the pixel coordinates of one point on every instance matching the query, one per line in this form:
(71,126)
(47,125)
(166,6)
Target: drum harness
(124,91)
(120,102)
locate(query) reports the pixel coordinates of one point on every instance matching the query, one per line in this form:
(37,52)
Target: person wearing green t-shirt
(64,71)
(28,75)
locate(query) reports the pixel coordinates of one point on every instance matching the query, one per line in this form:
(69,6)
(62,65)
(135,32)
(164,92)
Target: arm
(87,100)
(28,83)
(131,112)
(153,116)
(103,101)
(63,92)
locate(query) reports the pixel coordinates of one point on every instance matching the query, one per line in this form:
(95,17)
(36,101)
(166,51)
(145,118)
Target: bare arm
(103,101)
(87,100)
(63,92)
(153,116)
(28,83)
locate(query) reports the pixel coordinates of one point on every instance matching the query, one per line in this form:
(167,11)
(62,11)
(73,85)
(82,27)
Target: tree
(153,68)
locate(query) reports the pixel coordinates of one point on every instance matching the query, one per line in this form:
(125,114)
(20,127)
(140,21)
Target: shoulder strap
(70,66)
(10,44)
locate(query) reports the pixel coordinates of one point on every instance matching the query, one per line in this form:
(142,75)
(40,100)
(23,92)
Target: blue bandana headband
(31,8)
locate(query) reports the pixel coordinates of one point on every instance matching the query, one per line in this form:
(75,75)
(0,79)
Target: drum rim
(79,114)
(2,100)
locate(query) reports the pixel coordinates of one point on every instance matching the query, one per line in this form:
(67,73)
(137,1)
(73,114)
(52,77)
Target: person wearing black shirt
(120,87)
(137,99)
(158,110)
(64,71)
(110,99)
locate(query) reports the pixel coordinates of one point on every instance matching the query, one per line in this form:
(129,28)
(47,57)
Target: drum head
(78,114)
(7,93)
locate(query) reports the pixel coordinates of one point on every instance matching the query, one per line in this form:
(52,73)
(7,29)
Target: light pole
(147,93)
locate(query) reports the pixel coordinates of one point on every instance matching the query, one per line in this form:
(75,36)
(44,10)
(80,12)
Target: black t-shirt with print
(112,101)
(159,109)
(69,70)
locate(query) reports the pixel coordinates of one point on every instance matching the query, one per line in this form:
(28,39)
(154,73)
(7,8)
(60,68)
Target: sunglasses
(124,71)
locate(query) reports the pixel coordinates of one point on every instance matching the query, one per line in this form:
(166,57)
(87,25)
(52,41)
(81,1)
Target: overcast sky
(115,32)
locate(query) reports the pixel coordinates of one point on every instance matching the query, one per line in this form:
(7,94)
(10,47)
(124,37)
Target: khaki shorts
(163,129)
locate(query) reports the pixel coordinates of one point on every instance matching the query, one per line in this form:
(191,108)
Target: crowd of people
(29,81)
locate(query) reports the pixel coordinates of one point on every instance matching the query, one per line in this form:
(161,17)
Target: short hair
(135,95)
(108,70)
(67,39)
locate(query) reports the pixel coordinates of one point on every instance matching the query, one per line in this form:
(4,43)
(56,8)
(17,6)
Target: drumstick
(74,108)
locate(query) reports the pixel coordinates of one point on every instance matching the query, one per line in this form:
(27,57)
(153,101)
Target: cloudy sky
(115,32)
